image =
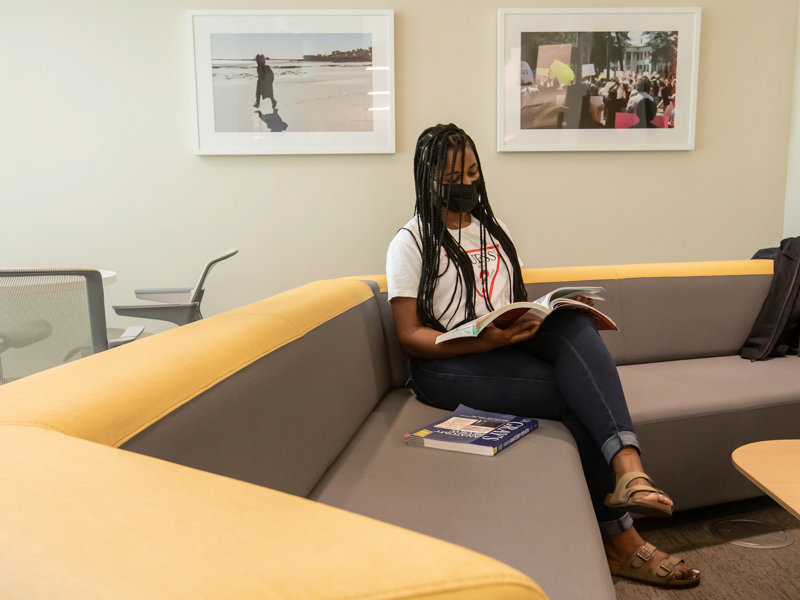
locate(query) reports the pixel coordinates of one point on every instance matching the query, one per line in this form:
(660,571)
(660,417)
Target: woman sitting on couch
(454,262)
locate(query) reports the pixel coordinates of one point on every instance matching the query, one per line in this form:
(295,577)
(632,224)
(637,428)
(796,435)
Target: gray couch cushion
(527,507)
(660,318)
(671,318)
(398,363)
(690,415)
(282,420)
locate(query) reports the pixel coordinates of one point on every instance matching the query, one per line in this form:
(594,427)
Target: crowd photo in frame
(293,81)
(597,79)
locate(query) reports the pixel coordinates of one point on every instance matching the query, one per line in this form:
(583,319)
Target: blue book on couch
(473,431)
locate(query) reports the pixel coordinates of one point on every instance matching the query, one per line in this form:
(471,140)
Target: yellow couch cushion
(685,269)
(379,279)
(110,397)
(81,520)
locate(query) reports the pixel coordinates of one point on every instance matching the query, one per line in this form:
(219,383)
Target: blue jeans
(564,373)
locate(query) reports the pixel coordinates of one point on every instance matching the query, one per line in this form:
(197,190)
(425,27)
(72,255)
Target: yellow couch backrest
(566,275)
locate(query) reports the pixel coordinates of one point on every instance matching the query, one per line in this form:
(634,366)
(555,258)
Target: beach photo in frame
(292,81)
(597,79)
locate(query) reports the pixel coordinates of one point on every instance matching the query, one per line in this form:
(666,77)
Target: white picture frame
(522,124)
(337,99)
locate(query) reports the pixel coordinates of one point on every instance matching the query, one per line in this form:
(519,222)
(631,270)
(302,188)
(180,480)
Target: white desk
(109,277)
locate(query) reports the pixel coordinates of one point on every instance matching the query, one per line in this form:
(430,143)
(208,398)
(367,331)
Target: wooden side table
(774,466)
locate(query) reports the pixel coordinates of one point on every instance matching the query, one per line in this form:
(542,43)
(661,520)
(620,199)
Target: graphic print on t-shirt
(491,262)
(404,269)
(484,274)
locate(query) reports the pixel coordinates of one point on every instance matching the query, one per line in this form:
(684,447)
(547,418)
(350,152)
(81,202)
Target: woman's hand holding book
(522,329)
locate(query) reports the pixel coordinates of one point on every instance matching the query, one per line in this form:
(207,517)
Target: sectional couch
(302,394)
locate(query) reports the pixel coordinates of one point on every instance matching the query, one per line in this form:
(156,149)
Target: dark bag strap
(767,335)
(766,253)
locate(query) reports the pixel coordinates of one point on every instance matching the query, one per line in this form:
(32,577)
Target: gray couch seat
(705,386)
(527,506)
(690,415)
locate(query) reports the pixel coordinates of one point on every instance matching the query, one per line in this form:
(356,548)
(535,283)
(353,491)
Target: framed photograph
(292,81)
(597,78)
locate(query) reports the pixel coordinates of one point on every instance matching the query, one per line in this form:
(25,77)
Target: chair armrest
(83,520)
(180,314)
(130,334)
(168,295)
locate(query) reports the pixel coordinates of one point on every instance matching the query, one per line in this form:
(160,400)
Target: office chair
(178,305)
(49,317)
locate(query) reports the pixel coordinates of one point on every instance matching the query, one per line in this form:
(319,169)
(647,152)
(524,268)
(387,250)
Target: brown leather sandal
(639,567)
(621,498)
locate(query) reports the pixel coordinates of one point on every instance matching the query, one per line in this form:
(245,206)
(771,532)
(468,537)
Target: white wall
(97,166)
(791,220)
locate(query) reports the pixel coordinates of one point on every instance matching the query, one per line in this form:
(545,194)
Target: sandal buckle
(644,554)
(667,566)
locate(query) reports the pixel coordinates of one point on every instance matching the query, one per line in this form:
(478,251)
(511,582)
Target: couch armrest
(82,520)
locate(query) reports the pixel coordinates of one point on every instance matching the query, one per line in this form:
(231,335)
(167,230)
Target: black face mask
(462,197)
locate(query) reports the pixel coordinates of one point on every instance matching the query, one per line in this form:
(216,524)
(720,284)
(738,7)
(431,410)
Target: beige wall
(791,219)
(97,166)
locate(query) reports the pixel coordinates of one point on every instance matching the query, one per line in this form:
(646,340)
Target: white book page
(569,292)
(475,327)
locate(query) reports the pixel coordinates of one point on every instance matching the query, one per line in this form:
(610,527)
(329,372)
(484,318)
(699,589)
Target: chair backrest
(48,317)
(197,292)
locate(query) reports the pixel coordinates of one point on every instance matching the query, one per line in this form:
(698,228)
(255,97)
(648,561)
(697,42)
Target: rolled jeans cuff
(617,526)
(617,442)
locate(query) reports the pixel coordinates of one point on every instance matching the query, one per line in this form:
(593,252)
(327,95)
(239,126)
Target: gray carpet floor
(729,572)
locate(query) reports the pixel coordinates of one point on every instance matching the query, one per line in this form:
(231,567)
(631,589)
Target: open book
(562,298)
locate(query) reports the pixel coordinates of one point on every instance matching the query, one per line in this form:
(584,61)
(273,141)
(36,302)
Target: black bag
(770,253)
(776,331)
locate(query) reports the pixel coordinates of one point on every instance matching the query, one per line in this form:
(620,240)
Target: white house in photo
(638,54)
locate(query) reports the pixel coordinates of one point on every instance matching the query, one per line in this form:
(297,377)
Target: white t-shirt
(404,269)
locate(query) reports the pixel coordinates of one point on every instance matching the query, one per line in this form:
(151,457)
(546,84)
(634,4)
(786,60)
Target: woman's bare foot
(627,460)
(662,498)
(620,546)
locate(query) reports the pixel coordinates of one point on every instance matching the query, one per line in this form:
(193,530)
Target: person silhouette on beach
(264,84)
(273,121)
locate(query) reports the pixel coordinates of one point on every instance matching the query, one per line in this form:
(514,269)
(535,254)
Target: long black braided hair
(430,160)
